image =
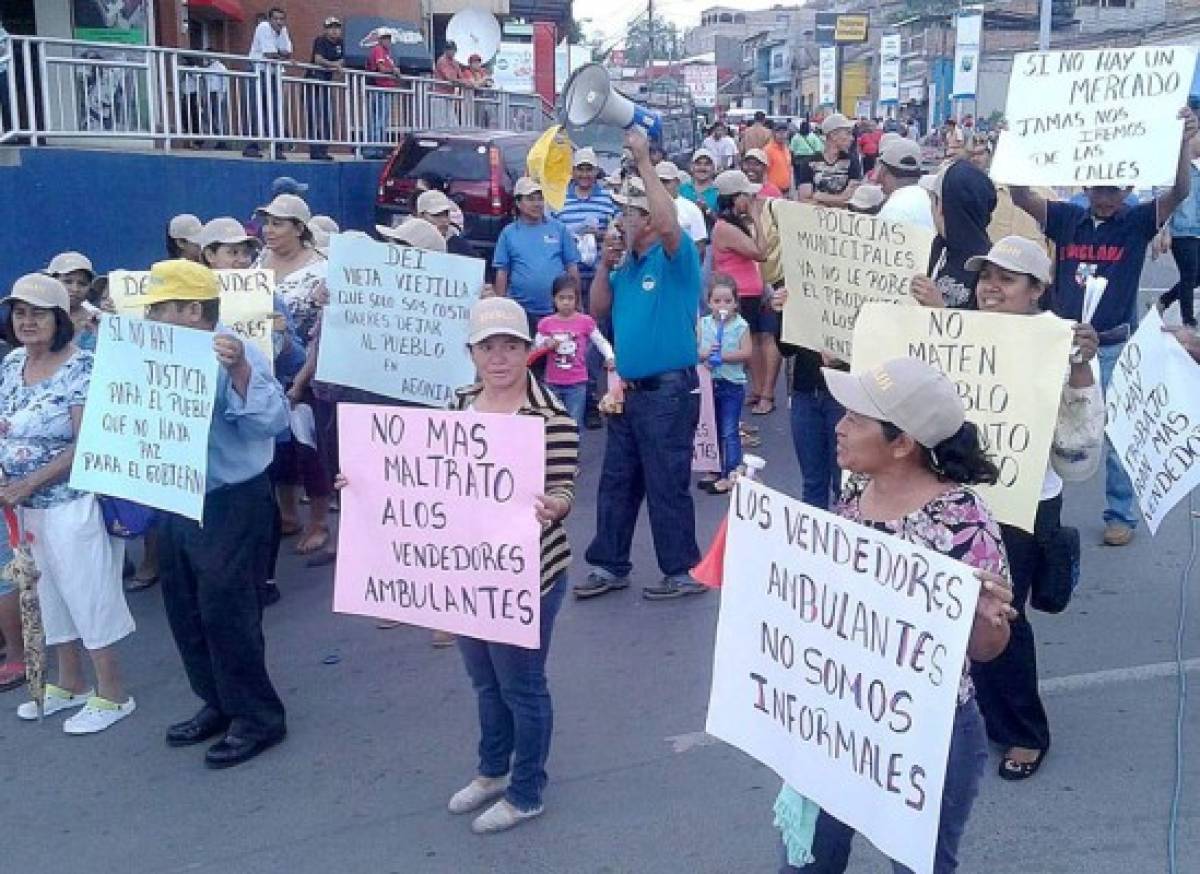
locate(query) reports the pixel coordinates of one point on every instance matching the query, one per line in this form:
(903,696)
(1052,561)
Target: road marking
(694,740)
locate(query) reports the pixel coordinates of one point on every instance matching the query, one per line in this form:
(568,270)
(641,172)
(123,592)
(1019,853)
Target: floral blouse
(957,524)
(35,420)
(299,292)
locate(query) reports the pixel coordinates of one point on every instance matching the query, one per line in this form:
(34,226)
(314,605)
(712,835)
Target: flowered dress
(299,292)
(35,421)
(957,524)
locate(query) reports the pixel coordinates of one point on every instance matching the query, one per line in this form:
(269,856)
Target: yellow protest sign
(247,301)
(834,261)
(1009,371)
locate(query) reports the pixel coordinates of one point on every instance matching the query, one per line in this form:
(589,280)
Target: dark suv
(481,166)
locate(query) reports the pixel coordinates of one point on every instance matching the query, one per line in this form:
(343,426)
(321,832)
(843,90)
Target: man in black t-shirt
(830,178)
(328,53)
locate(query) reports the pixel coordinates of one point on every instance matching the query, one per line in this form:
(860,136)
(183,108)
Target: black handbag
(1057,573)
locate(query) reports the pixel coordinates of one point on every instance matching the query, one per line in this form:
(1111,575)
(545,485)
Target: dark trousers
(1187,258)
(648,455)
(964,769)
(1007,686)
(210,578)
(814,416)
(319,121)
(516,718)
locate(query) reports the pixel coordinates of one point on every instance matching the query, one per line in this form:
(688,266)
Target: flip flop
(757,411)
(313,542)
(137,584)
(1013,770)
(12,675)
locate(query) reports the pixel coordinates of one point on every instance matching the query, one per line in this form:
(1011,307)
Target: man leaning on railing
(328,58)
(271,43)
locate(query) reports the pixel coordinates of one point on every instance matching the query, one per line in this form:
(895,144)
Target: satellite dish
(474,32)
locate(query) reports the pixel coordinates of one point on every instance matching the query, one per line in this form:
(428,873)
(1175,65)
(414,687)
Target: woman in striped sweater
(515,715)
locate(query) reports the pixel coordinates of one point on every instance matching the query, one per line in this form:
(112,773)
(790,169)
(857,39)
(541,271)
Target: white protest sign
(1097,117)
(396,323)
(706,453)
(834,261)
(145,427)
(1009,371)
(1153,407)
(838,655)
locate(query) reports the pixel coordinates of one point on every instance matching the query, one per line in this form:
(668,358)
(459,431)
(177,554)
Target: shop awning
(230,10)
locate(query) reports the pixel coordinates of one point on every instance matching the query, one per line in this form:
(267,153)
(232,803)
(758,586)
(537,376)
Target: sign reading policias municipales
(438,520)
(838,656)
(1154,418)
(1098,117)
(396,323)
(144,435)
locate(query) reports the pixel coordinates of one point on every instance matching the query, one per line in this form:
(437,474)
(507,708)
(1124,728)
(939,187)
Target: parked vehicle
(481,167)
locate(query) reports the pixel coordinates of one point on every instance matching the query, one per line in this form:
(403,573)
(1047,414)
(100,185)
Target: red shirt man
(380,61)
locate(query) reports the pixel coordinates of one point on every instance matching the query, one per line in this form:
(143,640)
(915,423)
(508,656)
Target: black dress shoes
(206,724)
(233,750)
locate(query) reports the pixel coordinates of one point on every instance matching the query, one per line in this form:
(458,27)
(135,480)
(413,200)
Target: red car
(480,166)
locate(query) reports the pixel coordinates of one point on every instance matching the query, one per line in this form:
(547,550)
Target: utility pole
(650,34)
(1044,30)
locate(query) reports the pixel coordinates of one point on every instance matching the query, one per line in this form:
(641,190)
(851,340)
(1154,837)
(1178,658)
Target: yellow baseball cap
(180,279)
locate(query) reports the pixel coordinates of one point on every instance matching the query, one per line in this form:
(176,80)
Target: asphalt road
(379,740)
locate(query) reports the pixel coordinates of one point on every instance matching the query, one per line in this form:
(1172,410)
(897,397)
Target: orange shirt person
(779,159)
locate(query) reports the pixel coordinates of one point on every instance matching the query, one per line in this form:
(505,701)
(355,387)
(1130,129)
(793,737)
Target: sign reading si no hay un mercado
(1098,117)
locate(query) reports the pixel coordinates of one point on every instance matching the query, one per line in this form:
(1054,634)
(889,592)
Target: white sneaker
(502,816)
(56,699)
(97,715)
(477,793)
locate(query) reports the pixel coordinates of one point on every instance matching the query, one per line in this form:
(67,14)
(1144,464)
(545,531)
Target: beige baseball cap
(587,156)
(68,262)
(323,223)
(902,156)
(526,186)
(914,396)
(41,291)
(495,316)
(667,171)
(415,232)
(185,227)
(732,182)
(756,154)
(287,206)
(703,153)
(434,202)
(836,121)
(1018,255)
(633,193)
(866,197)
(225,231)
(889,137)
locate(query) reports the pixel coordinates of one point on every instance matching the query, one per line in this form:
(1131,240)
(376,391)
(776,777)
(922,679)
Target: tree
(668,42)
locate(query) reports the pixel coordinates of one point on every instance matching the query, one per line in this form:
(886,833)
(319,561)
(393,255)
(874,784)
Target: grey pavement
(379,740)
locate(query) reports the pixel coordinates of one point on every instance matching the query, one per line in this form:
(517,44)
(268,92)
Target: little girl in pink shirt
(566,334)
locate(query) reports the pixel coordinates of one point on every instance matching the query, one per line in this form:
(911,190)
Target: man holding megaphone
(649,281)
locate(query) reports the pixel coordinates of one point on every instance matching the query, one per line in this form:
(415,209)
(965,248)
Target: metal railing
(56,91)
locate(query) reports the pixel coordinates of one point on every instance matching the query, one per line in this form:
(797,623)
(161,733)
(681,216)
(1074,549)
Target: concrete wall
(115,207)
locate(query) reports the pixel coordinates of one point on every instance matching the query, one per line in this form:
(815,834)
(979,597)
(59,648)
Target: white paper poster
(701,80)
(966,54)
(828,76)
(1099,117)
(512,70)
(1153,406)
(889,69)
(838,656)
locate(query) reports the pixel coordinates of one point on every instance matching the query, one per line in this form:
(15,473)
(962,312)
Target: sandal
(12,675)
(720,487)
(760,410)
(313,541)
(136,584)
(1012,770)
(751,441)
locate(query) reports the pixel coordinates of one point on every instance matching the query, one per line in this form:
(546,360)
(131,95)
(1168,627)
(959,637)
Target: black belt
(1116,335)
(654,383)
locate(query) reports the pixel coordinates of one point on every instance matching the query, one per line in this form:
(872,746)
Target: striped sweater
(562,463)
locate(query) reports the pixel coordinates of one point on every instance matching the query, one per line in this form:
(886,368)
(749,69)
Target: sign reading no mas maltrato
(1098,117)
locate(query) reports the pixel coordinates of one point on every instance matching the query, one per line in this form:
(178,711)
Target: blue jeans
(1118,489)
(379,118)
(814,416)
(728,398)
(516,719)
(964,770)
(648,455)
(574,398)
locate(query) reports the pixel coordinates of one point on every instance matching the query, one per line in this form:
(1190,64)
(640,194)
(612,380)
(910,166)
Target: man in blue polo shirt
(653,297)
(531,252)
(1108,239)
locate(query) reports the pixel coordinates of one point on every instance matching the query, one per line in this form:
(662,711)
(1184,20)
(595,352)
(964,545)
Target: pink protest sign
(437,522)
(706,457)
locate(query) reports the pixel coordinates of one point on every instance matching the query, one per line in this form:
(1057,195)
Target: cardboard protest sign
(1097,117)
(396,323)
(1009,371)
(1153,407)
(834,261)
(247,301)
(706,454)
(838,655)
(145,427)
(438,526)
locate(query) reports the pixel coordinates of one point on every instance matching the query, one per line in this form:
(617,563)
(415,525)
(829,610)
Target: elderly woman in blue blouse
(43,387)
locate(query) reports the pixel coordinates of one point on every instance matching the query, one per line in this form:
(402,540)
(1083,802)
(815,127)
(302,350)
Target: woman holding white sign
(911,453)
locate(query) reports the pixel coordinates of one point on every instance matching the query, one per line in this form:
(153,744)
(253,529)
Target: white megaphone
(590,98)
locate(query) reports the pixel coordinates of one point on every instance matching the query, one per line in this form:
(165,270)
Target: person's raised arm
(664,217)
(1031,202)
(1179,192)
(734,239)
